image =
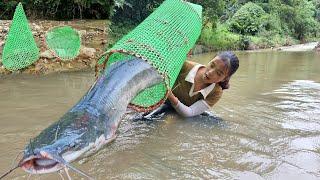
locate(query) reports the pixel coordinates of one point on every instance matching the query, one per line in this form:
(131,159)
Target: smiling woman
(199,87)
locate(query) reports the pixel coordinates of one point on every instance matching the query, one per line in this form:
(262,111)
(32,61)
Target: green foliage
(7,8)
(304,22)
(269,21)
(128,14)
(298,18)
(213,10)
(244,42)
(117,31)
(316,4)
(220,38)
(132,12)
(60,9)
(248,19)
(266,39)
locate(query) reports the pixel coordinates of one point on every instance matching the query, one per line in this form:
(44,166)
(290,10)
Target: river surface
(266,126)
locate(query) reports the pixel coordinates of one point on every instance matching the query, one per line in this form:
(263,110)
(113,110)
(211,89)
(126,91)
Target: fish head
(53,157)
(40,162)
(60,143)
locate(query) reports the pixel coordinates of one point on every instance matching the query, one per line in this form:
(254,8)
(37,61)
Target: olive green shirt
(182,87)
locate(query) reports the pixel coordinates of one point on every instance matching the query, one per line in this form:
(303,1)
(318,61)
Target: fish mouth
(45,162)
(38,164)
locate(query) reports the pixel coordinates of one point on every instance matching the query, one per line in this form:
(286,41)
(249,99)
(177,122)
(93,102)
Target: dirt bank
(93,36)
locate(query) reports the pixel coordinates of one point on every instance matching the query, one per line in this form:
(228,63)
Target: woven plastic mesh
(64,41)
(163,39)
(20,49)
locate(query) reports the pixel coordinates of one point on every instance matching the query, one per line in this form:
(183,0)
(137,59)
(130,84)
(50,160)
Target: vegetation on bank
(231,24)
(239,24)
(60,9)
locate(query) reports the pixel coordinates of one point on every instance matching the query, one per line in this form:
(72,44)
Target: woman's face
(216,71)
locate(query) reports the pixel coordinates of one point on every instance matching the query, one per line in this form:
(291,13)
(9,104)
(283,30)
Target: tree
(60,9)
(132,12)
(212,10)
(316,4)
(303,21)
(248,19)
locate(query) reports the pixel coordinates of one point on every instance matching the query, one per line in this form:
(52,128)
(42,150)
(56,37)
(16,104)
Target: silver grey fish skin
(93,121)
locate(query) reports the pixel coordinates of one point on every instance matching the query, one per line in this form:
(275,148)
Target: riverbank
(94,37)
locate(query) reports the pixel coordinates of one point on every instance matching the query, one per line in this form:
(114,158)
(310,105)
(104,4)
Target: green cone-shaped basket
(20,49)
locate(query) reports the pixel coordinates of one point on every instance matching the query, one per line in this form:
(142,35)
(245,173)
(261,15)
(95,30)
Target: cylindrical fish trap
(163,39)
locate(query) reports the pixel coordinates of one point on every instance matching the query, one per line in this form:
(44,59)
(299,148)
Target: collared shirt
(190,78)
(184,86)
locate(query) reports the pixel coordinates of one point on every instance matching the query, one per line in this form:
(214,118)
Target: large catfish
(92,122)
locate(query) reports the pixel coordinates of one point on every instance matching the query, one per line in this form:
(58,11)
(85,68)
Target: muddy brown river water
(267,125)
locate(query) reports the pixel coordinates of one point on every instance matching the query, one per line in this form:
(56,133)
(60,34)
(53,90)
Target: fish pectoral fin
(78,171)
(67,165)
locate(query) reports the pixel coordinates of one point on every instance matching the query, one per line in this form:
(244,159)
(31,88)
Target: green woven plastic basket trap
(64,41)
(163,39)
(20,49)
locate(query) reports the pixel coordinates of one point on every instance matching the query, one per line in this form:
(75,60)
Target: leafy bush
(271,22)
(60,9)
(316,4)
(304,22)
(244,42)
(220,38)
(212,10)
(7,9)
(127,14)
(248,19)
(132,12)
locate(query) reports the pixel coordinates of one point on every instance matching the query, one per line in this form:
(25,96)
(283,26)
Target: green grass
(222,39)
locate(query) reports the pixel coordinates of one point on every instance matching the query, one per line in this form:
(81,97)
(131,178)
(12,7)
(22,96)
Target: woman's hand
(172,98)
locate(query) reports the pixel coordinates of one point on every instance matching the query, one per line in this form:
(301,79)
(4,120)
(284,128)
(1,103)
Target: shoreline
(306,47)
(300,47)
(94,38)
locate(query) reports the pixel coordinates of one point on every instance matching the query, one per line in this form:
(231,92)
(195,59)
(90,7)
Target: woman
(199,87)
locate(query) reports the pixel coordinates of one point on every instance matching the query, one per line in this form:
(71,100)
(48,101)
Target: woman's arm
(187,111)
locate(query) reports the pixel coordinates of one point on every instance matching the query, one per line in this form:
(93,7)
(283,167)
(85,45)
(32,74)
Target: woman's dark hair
(232,63)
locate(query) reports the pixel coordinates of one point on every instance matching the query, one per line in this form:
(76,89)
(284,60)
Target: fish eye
(72,145)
